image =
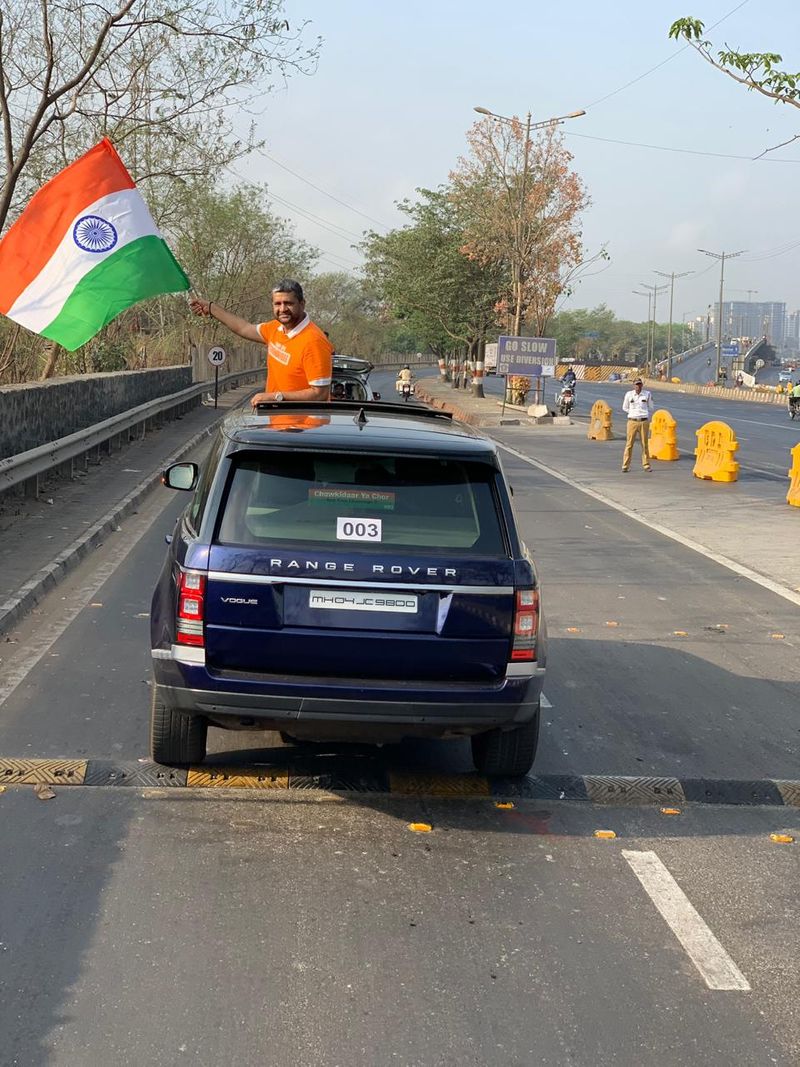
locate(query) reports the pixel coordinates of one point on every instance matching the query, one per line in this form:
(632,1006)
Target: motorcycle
(405,389)
(566,399)
(794,407)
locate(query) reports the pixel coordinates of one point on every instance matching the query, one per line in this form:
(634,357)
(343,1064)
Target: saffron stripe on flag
(141,269)
(33,239)
(46,295)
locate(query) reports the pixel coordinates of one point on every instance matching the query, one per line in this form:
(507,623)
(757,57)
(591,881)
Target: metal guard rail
(26,466)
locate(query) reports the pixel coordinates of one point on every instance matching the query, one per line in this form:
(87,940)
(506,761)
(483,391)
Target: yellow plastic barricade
(663,439)
(600,422)
(793,496)
(716,446)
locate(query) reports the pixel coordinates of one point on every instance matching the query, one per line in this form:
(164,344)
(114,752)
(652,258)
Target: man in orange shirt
(299,355)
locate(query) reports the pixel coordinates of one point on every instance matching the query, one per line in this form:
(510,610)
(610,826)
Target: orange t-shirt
(297,358)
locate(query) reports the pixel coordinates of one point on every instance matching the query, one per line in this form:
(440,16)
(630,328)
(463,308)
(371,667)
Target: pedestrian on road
(299,355)
(637,405)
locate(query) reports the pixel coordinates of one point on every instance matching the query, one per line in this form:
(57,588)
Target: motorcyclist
(403,378)
(570,377)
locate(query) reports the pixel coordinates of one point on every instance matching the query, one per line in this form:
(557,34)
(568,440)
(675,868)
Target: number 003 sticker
(359,529)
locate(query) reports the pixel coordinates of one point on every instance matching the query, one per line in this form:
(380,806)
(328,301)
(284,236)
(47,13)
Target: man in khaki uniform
(637,405)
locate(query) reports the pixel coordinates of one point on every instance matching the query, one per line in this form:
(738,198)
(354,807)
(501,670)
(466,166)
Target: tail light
(526,623)
(191,608)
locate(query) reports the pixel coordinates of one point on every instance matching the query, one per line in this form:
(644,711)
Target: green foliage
(757,71)
(618,339)
(425,279)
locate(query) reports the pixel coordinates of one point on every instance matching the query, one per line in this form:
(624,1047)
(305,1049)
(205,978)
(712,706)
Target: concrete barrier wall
(747,395)
(38,412)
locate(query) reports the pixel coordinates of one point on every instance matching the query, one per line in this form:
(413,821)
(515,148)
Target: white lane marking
(545,702)
(687,542)
(706,953)
(765,425)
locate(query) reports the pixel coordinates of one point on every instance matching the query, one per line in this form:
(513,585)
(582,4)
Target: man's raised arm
(241,327)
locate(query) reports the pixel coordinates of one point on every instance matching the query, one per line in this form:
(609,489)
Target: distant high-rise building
(793,331)
(746,318)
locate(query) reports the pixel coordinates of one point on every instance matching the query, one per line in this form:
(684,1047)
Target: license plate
(348,600)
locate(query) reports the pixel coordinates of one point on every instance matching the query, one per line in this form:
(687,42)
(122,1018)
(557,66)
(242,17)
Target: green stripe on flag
(141,269)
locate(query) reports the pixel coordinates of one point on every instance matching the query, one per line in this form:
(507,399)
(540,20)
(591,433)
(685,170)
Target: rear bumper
(414,707)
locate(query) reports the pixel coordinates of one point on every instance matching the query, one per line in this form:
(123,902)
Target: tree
(159,77)
(521,203)
(350,311)
(421,273)
(758,71)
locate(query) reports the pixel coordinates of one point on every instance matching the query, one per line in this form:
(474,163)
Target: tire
(175,739)
(509,753)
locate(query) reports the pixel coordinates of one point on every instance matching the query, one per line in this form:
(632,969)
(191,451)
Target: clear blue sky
(388,108)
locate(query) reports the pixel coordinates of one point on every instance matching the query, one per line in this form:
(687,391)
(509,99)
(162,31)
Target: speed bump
(357,778)
(440,785)
(605,789)
(42,771)
(236,778)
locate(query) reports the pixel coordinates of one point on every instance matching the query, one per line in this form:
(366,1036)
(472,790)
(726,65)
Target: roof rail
(370,407)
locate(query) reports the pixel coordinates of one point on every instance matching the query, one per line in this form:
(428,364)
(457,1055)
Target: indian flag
(84,249)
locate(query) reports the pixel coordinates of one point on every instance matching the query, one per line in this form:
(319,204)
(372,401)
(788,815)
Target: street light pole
(672,276)
(721,256)
(647,341)
(520,223)
(651,356)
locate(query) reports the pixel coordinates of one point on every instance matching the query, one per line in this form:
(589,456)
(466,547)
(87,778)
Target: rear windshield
(410,502)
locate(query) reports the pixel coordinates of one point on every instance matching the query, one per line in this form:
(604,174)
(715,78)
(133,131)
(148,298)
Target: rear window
(347,389)
(410,502)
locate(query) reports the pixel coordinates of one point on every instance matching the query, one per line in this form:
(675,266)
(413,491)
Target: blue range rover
(348,571)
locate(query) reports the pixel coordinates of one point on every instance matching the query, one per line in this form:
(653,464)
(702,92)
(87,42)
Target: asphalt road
(157,925)
(697,368)
(764,431)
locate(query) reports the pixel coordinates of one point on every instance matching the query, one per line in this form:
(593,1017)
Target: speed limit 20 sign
(217,356)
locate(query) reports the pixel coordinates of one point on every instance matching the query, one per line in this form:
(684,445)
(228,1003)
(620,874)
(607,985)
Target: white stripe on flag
(37,306)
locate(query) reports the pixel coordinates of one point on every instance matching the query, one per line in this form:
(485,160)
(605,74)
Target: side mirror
(376,396)
(180,476)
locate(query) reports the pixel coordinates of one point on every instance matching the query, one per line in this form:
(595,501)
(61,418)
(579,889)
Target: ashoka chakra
(94,234)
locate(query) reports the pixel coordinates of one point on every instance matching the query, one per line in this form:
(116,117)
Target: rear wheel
(507,752)
(176,739)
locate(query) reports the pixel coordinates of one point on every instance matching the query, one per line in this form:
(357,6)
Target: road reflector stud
(605,835)
(573,630)
(420,827)
(612,624)
(782,839)
(670,811)
(600,419)
(680,633)
(778,637)
(716,448)
(504,805)
(793,496)
(663,437)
